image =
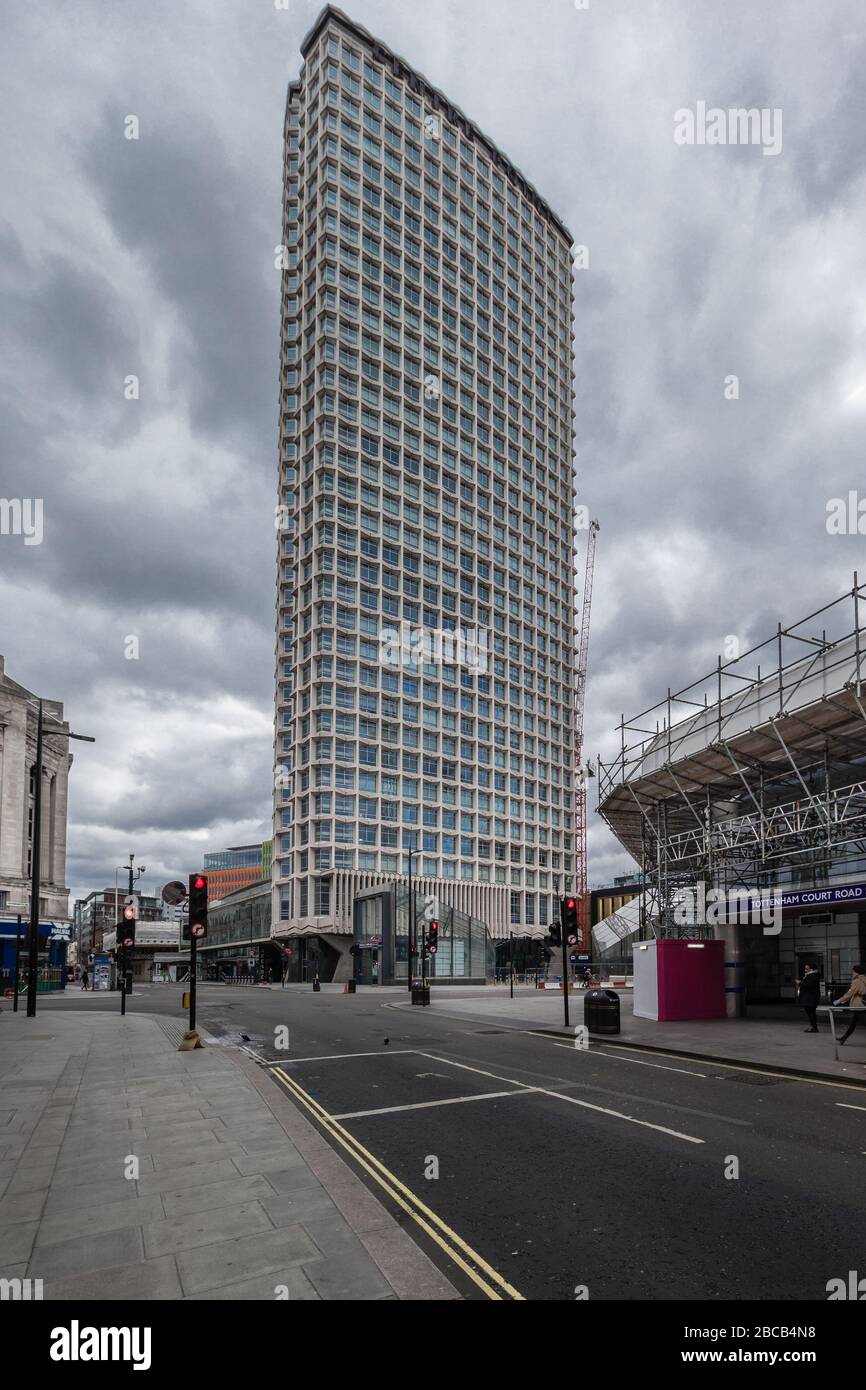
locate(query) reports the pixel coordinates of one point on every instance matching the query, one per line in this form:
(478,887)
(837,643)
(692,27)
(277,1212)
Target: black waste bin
(601,1010)
(420,992)
(353,987)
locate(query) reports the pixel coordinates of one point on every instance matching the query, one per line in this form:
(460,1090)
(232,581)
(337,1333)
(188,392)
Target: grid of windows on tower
(426,483)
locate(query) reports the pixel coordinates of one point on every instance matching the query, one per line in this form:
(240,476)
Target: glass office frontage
(464,951)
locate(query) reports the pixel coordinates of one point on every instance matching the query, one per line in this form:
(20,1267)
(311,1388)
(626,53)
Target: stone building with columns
(18,715)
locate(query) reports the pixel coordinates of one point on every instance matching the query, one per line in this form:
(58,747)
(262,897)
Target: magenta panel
(691,982)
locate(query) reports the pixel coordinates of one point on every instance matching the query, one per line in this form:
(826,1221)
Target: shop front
(53,940)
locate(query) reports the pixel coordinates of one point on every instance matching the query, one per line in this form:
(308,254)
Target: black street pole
(511,962)
(128,958)
(565,948)
(410,934)
(192,973)
(35,875)
(17,965)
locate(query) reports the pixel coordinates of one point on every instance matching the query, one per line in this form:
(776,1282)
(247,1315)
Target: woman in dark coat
(809,996)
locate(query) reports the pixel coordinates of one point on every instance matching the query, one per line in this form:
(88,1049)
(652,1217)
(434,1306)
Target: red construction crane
(582,877)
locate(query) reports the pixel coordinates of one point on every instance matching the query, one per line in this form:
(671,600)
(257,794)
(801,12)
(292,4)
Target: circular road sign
(129,941)
(572,941)
(198,929)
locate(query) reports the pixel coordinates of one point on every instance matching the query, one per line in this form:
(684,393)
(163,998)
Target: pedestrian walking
(855,998)
(809,996)
(84,979)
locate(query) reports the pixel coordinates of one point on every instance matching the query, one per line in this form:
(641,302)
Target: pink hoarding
(691,979)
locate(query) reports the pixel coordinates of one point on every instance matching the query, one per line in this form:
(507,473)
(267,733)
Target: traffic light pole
(125,957)
(197,910)
(565,979)
(192,974)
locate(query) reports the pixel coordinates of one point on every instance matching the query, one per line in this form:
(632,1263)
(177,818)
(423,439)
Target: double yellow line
(472,1264)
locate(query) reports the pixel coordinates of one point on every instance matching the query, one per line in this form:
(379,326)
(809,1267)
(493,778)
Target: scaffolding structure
(753,780)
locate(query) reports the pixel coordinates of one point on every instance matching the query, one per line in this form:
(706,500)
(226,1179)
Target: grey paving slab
(176,1155)
(354,1276)
(289,1181)
(235,1261)
(190,1174)
(107,1216)
(280,1161)
(229,1192)
(287,1209)
(204,1228)
(83,1195)
(182,1127)
(105,1145)
(13,1148)
(16,1242)
(283,1285)
(85,1254)
(23,1206)
(40,1154)
(73,1172)
(100,1126)
(152,1279)
(333,1237)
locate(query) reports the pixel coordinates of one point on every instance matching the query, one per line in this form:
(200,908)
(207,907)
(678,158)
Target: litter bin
(601,1011)
(420,992)
(353,987)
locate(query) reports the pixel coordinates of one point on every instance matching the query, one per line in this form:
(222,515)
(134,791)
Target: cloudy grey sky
(155,258)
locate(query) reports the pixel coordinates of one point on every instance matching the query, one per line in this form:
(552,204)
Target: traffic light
(555,935)
(130,917)
(198,905)
(432,938)
(568,918)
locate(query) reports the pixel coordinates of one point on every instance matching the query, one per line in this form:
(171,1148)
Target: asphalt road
(564,1169)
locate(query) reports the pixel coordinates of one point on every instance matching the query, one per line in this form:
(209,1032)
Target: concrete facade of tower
(426,458)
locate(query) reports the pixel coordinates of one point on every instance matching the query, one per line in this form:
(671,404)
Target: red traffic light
(201,881)
(571,903)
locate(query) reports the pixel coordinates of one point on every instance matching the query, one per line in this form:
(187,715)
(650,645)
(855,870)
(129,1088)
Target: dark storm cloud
(75,319)
(205,230)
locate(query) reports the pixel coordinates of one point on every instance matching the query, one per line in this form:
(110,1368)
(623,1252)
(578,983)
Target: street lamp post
(36,856)
(411,926)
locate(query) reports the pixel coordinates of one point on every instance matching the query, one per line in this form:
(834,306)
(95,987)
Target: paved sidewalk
(237,1195)
(759,1041)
